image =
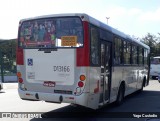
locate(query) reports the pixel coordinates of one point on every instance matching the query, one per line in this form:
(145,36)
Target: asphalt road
(136,105)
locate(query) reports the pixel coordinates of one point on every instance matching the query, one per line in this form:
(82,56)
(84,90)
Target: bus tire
(120,96)
(143,84)
(141,89)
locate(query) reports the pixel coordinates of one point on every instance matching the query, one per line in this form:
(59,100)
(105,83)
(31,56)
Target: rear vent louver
(63,92)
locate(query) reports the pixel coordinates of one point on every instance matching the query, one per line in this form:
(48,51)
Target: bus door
(105,72)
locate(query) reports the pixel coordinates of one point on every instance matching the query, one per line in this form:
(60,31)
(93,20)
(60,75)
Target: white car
(1,85)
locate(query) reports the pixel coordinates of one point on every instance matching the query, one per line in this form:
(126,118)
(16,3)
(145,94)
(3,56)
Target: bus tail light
(21,84)
(82,77)
(80,84)
(19,75)
(19,56)
(20,80)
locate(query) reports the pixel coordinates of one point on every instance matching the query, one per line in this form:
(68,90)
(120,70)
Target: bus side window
(118,51)
(94,46)
(134,54)
(146,61)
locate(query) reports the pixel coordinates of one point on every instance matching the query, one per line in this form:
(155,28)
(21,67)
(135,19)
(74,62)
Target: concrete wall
(9,78)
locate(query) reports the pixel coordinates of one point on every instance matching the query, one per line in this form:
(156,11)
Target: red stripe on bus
(83,54)
(20,56)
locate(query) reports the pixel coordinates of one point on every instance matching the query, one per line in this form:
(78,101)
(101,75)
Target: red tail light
(20,80)
(80,84)
(20,56)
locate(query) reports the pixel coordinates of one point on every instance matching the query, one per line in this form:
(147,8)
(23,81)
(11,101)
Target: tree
(8,51)
(153,42)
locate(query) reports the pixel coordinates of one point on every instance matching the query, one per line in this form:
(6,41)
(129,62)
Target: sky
(133,17)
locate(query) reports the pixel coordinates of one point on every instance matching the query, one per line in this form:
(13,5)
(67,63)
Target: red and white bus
(74,58)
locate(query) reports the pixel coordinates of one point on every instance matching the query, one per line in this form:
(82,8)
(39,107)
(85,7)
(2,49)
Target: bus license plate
(49,84)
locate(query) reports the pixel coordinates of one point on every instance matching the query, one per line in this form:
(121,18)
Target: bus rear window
(51,33)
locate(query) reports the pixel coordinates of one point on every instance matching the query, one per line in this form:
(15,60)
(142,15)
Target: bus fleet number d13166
(61,68)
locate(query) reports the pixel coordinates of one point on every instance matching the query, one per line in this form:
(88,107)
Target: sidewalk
(10,86)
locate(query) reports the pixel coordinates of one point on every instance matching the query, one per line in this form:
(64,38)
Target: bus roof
(115,31)
(95,22)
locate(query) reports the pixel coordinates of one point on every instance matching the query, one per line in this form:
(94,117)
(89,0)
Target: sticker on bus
(31,75)
(30,62)
(69,40)
(49,84)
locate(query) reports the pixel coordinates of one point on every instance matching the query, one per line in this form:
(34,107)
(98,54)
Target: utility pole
(107,19)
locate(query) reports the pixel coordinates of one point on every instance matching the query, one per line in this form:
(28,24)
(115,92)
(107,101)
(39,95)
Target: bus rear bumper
(48,97)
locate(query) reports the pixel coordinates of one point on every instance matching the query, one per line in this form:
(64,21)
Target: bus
(155,67)
(75,58)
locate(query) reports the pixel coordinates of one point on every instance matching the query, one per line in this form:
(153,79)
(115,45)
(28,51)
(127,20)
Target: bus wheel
(120,96)
(143,85)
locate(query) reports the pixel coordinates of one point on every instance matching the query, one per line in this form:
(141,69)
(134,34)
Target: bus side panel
(140,77)
(133,77)
(127,74)
(135,82)
(94,82)
(116,79)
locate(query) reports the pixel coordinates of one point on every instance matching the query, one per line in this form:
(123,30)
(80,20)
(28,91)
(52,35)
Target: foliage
(153,42)
(8,55)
